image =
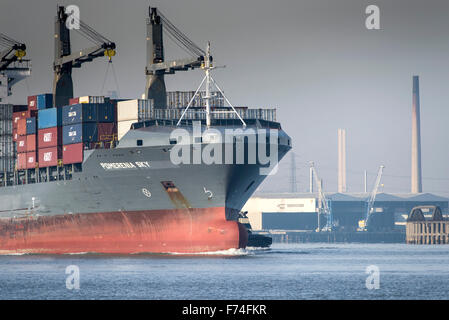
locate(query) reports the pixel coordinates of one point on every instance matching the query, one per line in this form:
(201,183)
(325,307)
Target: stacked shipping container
(49,137)
(26,130)
(41,131)
(86,125)
(49,134)
(131,111)
(7,152)
(180,99)
(21,142)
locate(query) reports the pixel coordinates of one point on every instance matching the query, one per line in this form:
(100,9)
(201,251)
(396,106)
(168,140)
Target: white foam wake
(229,252)
(258,248)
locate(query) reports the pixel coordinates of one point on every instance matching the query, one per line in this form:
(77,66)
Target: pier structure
(422,230)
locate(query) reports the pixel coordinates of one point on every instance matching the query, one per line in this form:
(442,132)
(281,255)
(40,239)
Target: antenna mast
(207,67)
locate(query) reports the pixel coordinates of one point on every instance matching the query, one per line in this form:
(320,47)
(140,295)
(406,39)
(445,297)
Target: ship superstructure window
(173,141)
(139,142)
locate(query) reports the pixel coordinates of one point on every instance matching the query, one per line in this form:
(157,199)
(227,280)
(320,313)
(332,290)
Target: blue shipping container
(49,118)
(31,125)
(79,113)
(105,112)
(44,101)
(81,132)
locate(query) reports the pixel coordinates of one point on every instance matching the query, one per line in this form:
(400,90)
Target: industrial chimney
(341,160)
(416,139)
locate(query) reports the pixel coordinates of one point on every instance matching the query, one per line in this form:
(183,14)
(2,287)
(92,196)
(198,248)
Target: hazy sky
(314,60)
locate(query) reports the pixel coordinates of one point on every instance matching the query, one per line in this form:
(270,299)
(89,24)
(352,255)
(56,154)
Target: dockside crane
(324,208)
(13,67)
(363,224)
(157,67)
(65,60)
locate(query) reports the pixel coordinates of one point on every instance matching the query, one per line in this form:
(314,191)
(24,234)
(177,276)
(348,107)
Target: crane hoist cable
(111,65)
(89,33)
(11,45)
(181,37)
(7,41)
(179,45)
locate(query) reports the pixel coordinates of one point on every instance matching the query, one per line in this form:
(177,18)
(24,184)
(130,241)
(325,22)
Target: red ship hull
(152,231)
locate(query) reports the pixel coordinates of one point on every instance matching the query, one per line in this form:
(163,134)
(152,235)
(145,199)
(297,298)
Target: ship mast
(207,67)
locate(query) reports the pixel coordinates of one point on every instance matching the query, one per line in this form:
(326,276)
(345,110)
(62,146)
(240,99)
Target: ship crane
(323,203)
(13,67)
(156,66)
(363,224)
(65,60)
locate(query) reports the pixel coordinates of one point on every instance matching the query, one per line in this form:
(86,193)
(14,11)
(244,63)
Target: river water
(286,271)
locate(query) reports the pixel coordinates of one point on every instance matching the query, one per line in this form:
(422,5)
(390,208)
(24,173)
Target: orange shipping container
(31,142)
(74,101)
(16,116)
(22,127)
(21,161)
(31,160)
(32,102)
(21,144)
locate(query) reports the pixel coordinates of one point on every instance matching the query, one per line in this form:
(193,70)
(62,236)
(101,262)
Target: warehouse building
(299,211)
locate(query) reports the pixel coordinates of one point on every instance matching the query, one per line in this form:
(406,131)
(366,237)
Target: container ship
(99,174)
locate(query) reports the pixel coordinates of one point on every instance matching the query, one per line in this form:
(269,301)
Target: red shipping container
(31,160)
(21,144)
(21,161)
(16,116)
(32,102)
(74,101)
(48,157)
(72,153)
(22,127)
(106,131)
(50,137)
(31,142)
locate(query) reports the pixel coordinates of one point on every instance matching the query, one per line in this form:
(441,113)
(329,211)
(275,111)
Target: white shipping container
(123,127)
(131,111)
(91,99)
(137,110)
